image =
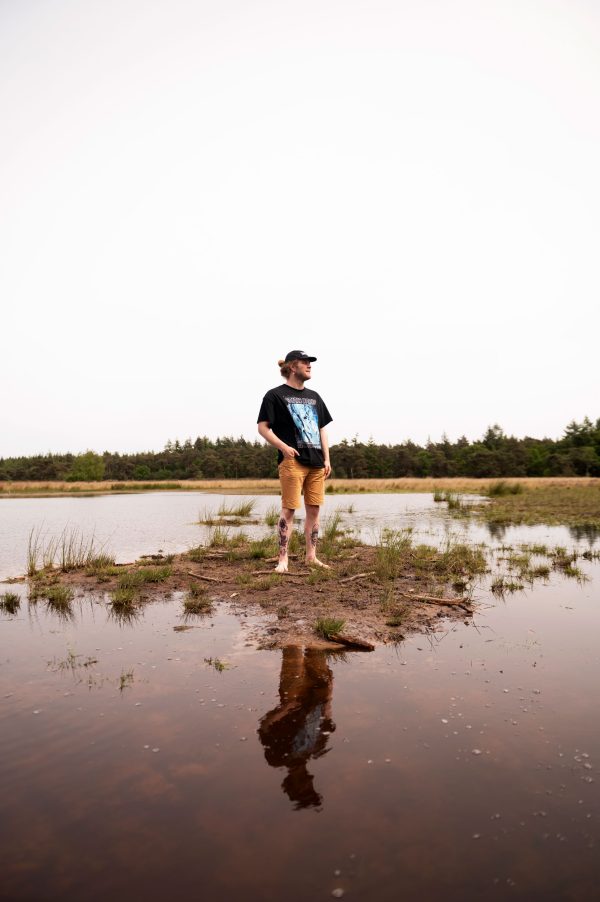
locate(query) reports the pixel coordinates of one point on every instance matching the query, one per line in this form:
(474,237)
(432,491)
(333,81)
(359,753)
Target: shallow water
(136,524)
(461,765)
(457,765)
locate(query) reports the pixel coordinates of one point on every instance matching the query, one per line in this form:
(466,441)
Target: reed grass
(10,602)
(392,552)
(219,537)
(197,601)
(71,550)
(242,509)
(58,596)
(272,515)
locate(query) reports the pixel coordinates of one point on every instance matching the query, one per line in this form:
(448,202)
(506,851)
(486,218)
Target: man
(293,418)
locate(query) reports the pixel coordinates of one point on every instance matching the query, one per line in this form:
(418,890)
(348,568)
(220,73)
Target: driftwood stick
(351,641)
(350,579)
(270,560)
(209,579)
(433,599)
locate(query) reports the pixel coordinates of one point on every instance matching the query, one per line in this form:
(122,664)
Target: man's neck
(294,382)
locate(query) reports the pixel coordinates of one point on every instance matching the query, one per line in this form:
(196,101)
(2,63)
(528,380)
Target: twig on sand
(434,599)
(351,641)
(209,579)
(350,579)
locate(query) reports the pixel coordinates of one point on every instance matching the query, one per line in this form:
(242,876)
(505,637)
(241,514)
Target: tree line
(576,453)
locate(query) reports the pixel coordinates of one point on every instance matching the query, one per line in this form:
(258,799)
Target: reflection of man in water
(297,728)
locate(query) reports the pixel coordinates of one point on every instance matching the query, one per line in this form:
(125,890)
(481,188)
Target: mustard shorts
(297,480)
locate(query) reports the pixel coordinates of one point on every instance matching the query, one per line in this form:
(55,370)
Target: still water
(141,761)
(131,525)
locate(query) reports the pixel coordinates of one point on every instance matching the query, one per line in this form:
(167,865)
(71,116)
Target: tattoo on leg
(314,535)
(282,528)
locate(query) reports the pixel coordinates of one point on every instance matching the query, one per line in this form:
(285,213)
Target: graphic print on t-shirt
(306,420)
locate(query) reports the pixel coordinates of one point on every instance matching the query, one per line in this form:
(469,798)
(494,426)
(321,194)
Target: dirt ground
(372,610)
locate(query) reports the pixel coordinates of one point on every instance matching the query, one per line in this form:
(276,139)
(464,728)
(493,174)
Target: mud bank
(354,598)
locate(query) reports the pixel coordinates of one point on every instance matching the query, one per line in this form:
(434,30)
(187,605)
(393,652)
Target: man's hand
(327,469)
(289,453)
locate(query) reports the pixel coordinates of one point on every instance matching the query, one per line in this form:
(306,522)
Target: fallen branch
(209,579)
(351,641)
(270,560)
(434,599)
(350,579)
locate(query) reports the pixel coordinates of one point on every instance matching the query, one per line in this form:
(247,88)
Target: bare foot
(315,562)
(281,567)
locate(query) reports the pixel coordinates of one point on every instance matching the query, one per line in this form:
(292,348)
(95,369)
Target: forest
(576,453)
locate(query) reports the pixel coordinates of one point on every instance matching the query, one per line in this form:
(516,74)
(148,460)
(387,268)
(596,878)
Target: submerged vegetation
(197,601)
(571,505)
(229,514)
(10,602)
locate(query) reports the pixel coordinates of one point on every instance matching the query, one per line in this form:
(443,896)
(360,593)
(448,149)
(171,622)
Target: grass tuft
(10,602)
(124,596)
(502,488)
(197,601)
(272,516)
(328,626)
(242,510)
(59,596)
(392,553)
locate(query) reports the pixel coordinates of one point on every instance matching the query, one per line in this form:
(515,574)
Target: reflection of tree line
(577,453)
(585,532)
(298,728)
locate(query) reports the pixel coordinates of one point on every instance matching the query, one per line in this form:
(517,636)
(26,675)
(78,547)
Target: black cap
(298,355)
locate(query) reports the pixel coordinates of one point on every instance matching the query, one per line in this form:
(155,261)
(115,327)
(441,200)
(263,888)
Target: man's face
(302,370)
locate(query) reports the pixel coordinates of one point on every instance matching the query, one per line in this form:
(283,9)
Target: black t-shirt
(296,415)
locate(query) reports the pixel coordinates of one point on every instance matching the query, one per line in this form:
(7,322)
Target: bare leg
(284,530)
(311,532)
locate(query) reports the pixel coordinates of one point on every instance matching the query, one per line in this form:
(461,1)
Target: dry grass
(271,486)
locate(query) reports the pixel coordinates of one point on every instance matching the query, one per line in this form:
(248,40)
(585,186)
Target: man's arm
(269,436)
(325,447)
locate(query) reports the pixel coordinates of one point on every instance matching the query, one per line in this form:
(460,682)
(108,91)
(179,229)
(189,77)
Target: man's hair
(285,368)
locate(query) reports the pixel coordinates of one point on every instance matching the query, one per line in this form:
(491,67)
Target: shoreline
(426,485)
(368,595)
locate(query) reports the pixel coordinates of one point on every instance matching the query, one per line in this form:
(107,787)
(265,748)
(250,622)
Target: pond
(132,525)
(144,760)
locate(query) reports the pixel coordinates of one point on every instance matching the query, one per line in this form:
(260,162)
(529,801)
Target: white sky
(407,189)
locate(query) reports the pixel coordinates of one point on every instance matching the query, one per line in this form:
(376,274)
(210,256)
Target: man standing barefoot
(293,418)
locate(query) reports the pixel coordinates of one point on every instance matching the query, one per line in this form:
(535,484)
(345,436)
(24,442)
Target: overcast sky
(407,189)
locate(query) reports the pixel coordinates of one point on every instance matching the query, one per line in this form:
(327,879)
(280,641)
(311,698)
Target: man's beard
(302,377)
